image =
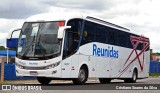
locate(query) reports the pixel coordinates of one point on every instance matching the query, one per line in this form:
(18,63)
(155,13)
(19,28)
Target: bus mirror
(12,42)
(12,31)
(61,31)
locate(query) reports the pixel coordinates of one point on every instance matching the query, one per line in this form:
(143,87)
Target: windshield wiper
(31,45)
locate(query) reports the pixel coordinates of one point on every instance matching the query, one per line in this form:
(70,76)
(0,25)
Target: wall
(154,67)
(10,73)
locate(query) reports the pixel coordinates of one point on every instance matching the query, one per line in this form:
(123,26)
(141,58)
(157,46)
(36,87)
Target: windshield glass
(39,39)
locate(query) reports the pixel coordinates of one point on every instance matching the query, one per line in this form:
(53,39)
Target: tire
(43,80)
(82,76)
(104,80)
(133,79)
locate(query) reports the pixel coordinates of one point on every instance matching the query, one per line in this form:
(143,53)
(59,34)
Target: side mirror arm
(12,31)
(61,31)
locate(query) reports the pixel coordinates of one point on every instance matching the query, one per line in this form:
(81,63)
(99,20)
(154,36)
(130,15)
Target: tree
(151,56)
(2,48)
(13,49)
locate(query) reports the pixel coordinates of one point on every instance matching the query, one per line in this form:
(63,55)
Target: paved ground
(150,80)
(93,85)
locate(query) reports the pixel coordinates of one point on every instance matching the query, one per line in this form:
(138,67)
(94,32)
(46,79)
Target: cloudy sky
(140,16)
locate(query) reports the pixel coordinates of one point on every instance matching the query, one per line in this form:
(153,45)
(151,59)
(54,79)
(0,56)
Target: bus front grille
(34,68)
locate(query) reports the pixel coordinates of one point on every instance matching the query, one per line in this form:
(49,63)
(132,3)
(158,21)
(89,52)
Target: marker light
(61,23)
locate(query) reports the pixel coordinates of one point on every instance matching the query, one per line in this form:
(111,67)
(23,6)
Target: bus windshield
(39,39)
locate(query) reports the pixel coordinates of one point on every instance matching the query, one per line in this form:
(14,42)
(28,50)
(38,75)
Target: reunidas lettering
(105,52)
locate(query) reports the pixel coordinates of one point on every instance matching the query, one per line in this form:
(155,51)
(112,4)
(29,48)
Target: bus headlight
(19,66)
(53,65)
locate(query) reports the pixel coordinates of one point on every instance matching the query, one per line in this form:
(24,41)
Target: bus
(75,46)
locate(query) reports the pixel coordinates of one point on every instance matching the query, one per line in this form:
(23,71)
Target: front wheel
(43,80)
(82,77)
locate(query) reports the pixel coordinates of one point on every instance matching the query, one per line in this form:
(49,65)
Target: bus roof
(54,16)
(71,15)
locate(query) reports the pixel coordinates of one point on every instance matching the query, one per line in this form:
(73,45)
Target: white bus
(76,47)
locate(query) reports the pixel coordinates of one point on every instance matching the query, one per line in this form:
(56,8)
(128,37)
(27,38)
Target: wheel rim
(134,76)
(82,75)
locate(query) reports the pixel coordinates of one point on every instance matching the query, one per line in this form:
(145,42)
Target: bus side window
(88,33)
(101,34)
(111,39)
(129,44)
(123,39)
(116,37)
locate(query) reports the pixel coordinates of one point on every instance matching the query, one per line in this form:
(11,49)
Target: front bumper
(54,72)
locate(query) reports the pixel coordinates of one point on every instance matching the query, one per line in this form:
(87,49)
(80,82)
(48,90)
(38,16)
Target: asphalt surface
(93,86)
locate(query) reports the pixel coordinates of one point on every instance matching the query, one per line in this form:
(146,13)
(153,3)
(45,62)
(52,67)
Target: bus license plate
(33,73)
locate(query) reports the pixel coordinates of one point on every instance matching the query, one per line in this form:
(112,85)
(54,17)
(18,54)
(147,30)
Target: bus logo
(135,42)
(109,52)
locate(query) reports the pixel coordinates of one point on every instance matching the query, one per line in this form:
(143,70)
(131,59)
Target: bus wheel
(104,80)
(134,76)
(133,79)
(82,77)
(43,80)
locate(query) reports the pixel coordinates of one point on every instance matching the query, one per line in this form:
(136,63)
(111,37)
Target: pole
(2,69)
(7,55)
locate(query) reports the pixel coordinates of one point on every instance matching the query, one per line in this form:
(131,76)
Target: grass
(154,74)
(18,82)
(27,82)
(5,82)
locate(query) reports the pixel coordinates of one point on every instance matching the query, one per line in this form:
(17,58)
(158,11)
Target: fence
(154,67)
(10,73)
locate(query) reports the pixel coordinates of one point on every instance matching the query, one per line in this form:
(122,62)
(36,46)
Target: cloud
(7,24)
(79,4)
(18,9)
(3,39)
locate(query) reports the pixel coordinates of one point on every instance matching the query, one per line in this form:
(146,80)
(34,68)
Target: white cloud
(6,25)
(3,39)
(18,9)
(141,18)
